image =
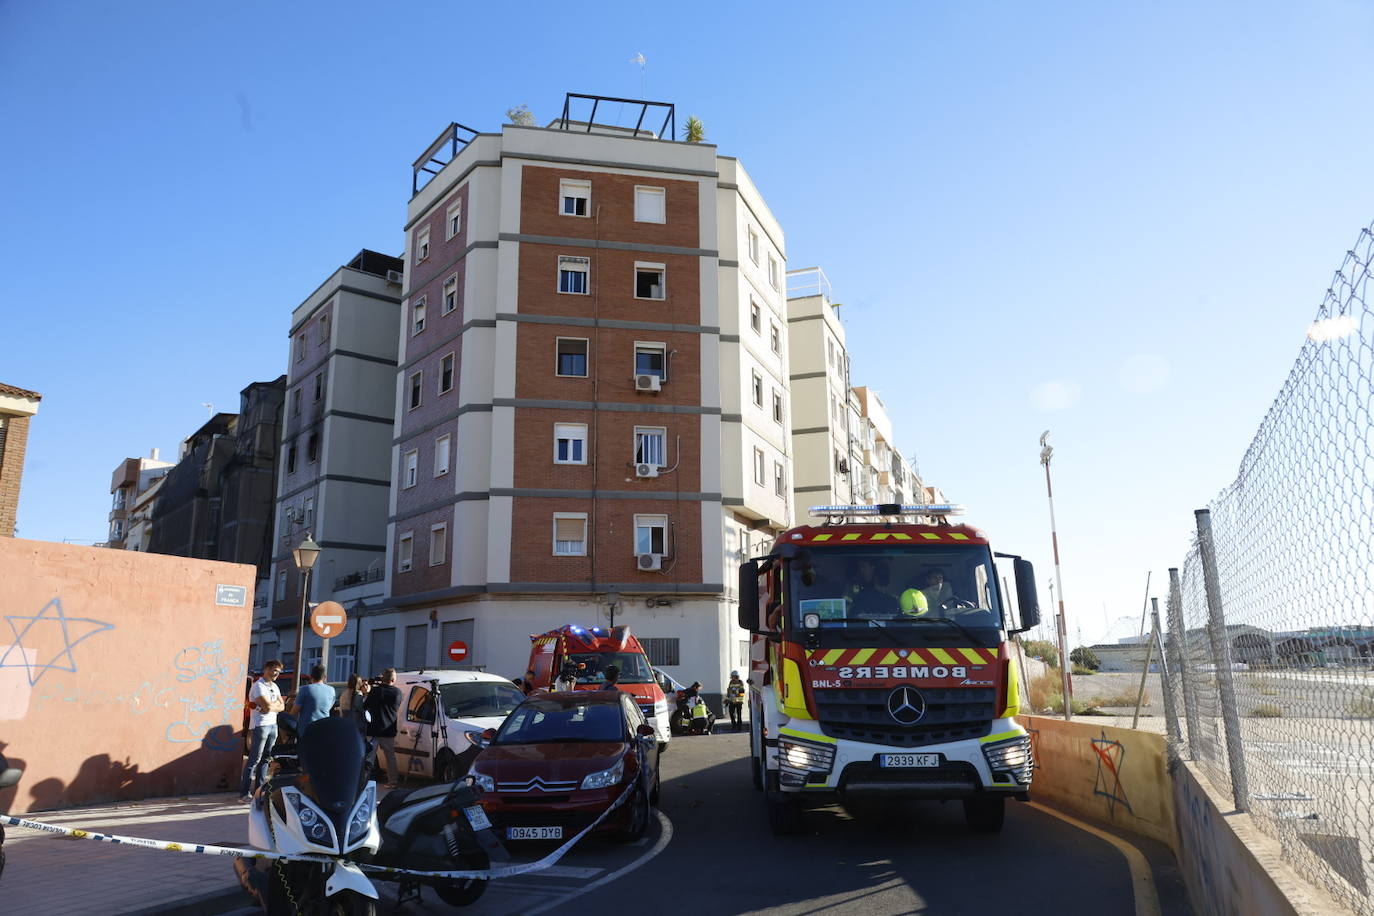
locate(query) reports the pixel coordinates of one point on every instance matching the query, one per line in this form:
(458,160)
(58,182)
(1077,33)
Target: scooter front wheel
(352,903)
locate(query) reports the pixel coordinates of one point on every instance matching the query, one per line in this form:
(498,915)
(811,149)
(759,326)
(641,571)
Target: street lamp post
(1046,452)
(305,556)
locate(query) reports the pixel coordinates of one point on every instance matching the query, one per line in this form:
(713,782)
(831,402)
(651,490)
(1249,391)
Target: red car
(561,759)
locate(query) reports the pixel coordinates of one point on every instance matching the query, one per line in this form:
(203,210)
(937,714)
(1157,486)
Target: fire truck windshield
(634,667)
(851,587)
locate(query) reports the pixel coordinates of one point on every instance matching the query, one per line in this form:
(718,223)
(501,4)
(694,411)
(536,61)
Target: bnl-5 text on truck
(881,667)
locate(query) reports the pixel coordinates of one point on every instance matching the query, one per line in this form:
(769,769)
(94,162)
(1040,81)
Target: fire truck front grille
(862,715)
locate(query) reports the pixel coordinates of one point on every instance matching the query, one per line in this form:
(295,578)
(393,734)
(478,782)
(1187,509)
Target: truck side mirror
(1026,596)
(749,596)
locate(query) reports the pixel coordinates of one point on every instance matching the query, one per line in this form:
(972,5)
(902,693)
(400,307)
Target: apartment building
(885,476)
(334,475)
(17,406)
(592,416)
(131,480)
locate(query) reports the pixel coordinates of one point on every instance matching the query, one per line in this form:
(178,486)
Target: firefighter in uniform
(734,700)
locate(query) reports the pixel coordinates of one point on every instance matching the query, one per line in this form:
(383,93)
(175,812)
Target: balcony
(361,577)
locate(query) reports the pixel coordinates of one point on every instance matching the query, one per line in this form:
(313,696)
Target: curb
(232,897)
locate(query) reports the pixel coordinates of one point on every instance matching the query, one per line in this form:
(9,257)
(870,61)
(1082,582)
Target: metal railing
(361,577)
(1269,660)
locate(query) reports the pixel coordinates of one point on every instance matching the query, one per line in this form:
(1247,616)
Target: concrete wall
(120,675)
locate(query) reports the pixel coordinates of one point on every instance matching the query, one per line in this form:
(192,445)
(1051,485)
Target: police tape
(205,849)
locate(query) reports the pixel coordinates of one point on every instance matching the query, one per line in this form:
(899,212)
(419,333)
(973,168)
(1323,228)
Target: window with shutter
(570,534)
(649,207)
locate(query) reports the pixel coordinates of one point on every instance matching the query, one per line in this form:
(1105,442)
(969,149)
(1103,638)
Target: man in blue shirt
(313,701)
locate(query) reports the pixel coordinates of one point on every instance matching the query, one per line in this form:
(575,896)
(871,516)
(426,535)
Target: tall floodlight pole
(1046,452)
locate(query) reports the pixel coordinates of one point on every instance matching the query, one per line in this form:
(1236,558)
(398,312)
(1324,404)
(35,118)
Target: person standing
(351,703)
(734,700)
(383,705)
(266,699)
(612,681)
(313,701)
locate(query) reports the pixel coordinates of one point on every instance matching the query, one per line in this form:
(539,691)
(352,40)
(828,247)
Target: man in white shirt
(267,702)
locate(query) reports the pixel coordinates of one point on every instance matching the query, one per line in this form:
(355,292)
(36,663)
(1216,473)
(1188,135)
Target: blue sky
(1112,223)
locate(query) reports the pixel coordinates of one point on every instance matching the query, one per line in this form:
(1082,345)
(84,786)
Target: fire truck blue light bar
(889,509)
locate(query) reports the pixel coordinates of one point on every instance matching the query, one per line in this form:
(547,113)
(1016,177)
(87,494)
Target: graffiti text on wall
(209,687)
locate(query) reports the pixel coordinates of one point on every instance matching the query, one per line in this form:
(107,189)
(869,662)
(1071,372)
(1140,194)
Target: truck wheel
(984,813)
(785,817)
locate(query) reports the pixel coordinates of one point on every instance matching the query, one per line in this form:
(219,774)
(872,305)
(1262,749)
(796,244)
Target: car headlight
(314,825)
(484,782)
(361,822)
(605,778)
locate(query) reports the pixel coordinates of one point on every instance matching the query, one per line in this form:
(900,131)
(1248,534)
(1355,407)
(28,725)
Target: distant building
(128,486)
(17,405)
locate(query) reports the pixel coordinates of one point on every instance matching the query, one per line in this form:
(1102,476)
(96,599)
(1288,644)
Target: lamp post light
(1046,452)
(305,556)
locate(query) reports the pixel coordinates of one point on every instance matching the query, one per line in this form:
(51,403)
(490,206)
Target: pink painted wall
(121,677)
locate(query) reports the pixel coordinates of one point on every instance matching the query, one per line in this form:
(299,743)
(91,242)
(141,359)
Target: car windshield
(479,699)
(850,588)
(634,667)
(542,721)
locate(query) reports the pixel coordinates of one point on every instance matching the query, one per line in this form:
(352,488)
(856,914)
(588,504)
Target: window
(446,374)
(296,403)
(755,317)
(779,482)
(281,585)
(312,447)
(438,544)
(649,206)
(416,383)
(410,463)
(651,534)
(662,650)
(576,197)
(117,530)
(758,466)
(291,458)
(121,498)
(341,662)
(319,385)
(450,295)
(422,244)
(753,245)
(772,271)
(417,316)
(442,447)
(324,329)
(453,224)
(651,445)
(308,511)
(651,359)
(777,405)
(757,388)
(572,275)
(570,534)
(404,552)
(774,337)
(649,281)
(572,357)
(300,347)
(570,443)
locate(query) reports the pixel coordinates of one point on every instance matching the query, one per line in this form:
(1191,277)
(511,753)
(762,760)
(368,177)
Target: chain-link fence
(1271,623)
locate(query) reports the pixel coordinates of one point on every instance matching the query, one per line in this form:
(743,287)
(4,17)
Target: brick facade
(14,436)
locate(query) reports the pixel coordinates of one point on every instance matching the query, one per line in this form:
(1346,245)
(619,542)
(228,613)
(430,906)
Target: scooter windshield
(331,754)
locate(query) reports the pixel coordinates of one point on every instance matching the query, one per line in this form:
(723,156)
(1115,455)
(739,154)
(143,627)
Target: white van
(438,706)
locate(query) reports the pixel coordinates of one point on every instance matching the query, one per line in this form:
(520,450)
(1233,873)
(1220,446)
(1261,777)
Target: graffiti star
(52,615)
(1111,757)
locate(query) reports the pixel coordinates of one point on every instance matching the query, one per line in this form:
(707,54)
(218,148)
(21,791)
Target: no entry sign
(328,619)
(458,651)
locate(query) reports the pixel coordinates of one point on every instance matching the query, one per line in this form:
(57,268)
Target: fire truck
(880,668)
(590,650)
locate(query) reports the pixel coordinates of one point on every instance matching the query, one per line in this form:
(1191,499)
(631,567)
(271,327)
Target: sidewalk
(57,874)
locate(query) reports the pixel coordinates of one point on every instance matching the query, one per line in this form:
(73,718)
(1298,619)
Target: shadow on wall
(103,779)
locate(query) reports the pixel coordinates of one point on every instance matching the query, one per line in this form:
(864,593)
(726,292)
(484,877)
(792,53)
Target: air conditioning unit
(647,381)
(844,466)
(644,469)
(395,276)
(650,561)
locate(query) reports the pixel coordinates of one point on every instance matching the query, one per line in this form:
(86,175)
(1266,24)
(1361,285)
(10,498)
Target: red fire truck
(590,650)
(880,666)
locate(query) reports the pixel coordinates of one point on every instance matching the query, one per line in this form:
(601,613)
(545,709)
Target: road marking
(665,837)
(1142,878)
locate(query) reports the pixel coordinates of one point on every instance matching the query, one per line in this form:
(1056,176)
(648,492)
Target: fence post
(1178,647)
(1166,674)
(1221,655)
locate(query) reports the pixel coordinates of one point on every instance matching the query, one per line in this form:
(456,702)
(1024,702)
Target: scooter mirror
(10,777)
(645,731)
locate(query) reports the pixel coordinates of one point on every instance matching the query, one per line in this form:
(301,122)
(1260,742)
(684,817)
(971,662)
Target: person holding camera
(383,705)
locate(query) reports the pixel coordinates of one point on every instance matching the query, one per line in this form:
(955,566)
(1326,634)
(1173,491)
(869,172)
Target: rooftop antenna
(208,406)
(639,59)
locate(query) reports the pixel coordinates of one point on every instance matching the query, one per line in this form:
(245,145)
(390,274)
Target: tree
(521,115)
(694,131)
(1042,649)
(1086,658)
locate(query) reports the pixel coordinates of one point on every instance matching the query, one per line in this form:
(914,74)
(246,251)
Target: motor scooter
(321,803)
(8,776)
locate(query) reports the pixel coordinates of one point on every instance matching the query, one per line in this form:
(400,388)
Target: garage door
(415,646)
